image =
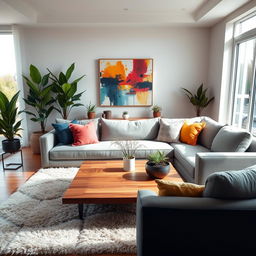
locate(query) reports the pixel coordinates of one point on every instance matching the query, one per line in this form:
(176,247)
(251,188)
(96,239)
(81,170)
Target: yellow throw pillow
(172,188)
(189,132)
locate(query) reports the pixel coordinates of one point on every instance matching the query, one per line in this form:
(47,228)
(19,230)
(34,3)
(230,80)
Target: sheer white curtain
(18,54)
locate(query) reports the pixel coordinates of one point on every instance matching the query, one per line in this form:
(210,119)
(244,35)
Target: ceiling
(82,12)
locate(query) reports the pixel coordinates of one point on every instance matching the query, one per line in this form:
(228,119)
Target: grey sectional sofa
(219,147)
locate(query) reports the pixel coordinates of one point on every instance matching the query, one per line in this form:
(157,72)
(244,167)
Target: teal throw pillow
(63,133)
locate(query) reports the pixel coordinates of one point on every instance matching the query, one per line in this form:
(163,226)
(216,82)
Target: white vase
(125,116)
(129,164)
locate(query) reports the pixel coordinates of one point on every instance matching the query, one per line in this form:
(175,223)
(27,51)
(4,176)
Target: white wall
(219,73)
(180,60)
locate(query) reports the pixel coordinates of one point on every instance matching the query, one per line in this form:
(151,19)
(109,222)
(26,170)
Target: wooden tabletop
(105,181)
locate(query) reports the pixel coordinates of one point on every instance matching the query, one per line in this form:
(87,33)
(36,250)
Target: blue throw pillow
(63,133)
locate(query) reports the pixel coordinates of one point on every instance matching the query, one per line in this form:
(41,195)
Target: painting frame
(145,93)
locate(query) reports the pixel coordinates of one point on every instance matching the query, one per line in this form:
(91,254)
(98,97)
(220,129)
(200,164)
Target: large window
(8,84)
(244,99)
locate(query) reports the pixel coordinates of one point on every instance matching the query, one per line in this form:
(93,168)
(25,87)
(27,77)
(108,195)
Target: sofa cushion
(231,139)
(239,184)
(83,122)
(190,132)
(84,134)
(172,188)
(252,147)
(107,150)
(129,130)
(63,133)
(169,130)
(209,132)
(186,155)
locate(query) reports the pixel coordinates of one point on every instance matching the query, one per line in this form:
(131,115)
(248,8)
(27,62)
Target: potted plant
(66,92)
(125,115)
(157,165)
(9,126)
(199,100)
(91,111)
(39,98)
(128,149)
(156,111)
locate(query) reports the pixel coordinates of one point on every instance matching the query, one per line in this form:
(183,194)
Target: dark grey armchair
(172,226)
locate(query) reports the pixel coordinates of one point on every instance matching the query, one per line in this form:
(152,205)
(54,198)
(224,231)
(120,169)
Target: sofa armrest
(47,142)
(210,162)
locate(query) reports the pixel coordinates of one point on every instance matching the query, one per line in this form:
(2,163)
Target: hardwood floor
(10,180)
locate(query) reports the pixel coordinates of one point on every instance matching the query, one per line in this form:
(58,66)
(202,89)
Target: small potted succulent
(157,165)
(125,115)
(9,126)
(156,111)
(91,109)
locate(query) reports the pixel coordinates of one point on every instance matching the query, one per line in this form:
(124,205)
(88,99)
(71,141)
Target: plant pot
(125,116)
(156,114)
(129,164)
(34,142)
(157,171)
(91,115)
(11,146)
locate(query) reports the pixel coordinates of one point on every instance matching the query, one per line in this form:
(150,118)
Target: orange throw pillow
(189,132)
(83,134)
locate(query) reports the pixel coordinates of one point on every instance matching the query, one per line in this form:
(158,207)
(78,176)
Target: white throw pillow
(169,130)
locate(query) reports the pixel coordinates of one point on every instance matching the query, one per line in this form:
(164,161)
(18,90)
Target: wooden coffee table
(105,182)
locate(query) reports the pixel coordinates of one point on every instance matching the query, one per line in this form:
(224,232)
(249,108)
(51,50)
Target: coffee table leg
(81,211)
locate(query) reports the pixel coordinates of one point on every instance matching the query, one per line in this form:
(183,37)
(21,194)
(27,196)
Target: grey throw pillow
(239,184)
(169,130)
(209,132)
(231,139)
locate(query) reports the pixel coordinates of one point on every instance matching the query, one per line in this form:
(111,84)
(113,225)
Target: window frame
(237,40)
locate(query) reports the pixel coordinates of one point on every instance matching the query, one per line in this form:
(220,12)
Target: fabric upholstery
(186,154)
(84,134)
(235,184)
(83,122)
(172,188)
(129,130)
(169,130)
(230,139)
(209,132)
(63,133)
(107,150)
(190,132)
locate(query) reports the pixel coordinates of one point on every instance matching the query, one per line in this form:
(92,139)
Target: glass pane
(243,83)
(245,25)
(8,84)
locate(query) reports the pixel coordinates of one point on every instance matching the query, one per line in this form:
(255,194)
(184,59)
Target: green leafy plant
(9,126)
(125,113)
(199,100)
(156,108)
(39,97)
(128,148)
(66,92)
(157,158)
(91,108)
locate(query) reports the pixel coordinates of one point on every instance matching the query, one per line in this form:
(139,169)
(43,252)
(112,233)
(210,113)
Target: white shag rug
(34,221)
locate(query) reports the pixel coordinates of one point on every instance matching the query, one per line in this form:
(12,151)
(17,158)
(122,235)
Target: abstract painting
(126,82)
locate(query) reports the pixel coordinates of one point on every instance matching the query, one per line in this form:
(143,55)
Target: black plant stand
(13,166)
